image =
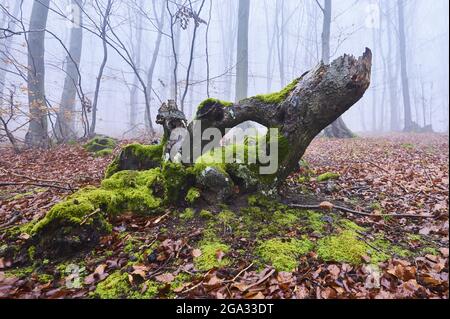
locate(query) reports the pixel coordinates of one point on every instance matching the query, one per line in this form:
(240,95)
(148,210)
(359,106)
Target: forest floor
(252,247)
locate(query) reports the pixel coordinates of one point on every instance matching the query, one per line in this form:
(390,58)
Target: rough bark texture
(318,98)
(37,135)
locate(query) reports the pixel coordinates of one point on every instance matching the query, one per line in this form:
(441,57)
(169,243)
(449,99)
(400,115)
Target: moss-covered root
(136,157)
(79,221)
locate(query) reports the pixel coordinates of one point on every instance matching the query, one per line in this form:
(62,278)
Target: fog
(284,41)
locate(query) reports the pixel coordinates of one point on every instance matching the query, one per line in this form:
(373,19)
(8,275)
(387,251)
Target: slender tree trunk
(392,76)
(338,128)
(408,124)
(65,121)
(5,44)
(104,26)
(134,92)
(242,50)
(191,57)
(151,69)
(37,135)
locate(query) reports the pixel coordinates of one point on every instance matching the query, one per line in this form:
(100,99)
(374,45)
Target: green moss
(284,255)
(104,153)
(315,221)
(211,101)
(226,158)
(285,218)
(208,259)
(206,214)
(100,145)
(192,195)
(44,278)
(226,216)
(187,214)
(178,180)
(327,176)
(278,97)
(31,252)
(19,272)
(139,155)
(124,191)
(180,280)
(117,286)
(430,251)
(344,247)
(385,250)
(348,224)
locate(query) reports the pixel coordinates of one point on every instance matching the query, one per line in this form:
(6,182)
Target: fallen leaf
(165,278)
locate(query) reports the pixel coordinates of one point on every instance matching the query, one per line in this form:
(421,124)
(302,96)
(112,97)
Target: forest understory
(374,224)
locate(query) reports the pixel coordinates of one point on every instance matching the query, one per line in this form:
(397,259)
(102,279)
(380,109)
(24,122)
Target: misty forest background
(109,66)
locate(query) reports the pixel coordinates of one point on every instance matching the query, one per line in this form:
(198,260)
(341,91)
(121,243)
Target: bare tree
(242,50)
(65,121)
(105,15)
(151,70)
(337,128)
(137,57)
(197,21)
(408,124)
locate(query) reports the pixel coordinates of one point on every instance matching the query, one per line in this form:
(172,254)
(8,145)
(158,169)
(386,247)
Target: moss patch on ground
(343,247)
(211,256)
(327,176)
(284,254)
(117,286)
(100,145)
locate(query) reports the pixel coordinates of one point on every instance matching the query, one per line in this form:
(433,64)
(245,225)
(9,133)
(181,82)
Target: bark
(242,50)
(318,99)
(65,121)
(37,135)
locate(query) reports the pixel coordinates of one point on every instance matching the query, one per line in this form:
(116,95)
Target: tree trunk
(242,50)
(403,65)
(65,121)
(316,100)
(103,35)
(392,76)
(338,126)
(37,135)
(134,92)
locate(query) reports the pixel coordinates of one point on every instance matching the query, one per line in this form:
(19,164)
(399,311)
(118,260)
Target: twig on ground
(35,184)
(348,210)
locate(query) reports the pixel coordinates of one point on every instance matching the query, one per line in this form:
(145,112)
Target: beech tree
(37,135)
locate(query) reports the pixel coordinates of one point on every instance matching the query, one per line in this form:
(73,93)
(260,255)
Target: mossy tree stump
(143,179)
